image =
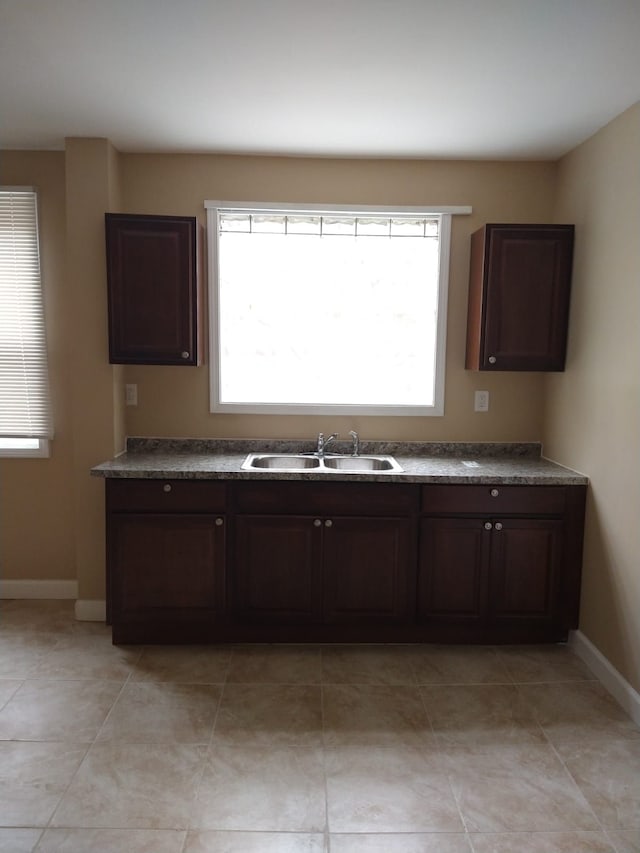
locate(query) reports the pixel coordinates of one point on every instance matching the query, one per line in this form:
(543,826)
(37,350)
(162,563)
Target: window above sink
(328,310)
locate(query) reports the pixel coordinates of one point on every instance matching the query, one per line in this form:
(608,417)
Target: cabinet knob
(166,487)
(494,493)
(498,525)
(184,354)
(328,523)
(317,522)
(492,359)
(488,525)
(219,522)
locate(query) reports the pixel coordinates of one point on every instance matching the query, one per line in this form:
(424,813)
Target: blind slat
(25,410)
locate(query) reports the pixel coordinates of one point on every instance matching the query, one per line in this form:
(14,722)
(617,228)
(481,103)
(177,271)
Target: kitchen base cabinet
(165,560)
(505,568)
(525,568)
(327,575)
(367,571)
(271,561)
(452,586)
(277,572)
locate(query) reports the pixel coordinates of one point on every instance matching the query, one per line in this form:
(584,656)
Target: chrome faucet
(324,442)
(356,442)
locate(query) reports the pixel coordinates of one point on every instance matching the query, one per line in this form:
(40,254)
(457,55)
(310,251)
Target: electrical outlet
(481,402)
(131,395)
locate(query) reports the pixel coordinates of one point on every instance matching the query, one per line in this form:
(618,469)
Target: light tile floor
(287,749)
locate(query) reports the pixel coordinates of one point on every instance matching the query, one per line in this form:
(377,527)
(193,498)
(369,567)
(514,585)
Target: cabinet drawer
(325,498)
(129,495)
(493,500)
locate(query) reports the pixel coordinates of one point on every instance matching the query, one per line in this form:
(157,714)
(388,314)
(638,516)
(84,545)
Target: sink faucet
(356,442)
(324,442)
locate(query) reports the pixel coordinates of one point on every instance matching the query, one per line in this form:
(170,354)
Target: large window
(25,419)
(317,310)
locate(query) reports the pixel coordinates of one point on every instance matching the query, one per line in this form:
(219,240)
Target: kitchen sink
(282,462)
(326,464)
(361,463)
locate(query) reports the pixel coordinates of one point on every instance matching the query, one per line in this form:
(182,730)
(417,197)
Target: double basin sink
(312,462)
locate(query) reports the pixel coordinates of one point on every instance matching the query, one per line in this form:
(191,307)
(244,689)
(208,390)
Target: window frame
(43,436)
(442,213)
(42,451)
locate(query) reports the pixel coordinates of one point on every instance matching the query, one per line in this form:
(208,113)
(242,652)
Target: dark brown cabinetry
(499,564)
(153,289)
(166,559)
(519,288)
(278,578)
(272,561)
(337,557)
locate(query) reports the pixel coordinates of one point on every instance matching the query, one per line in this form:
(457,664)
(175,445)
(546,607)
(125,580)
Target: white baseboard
(88,610)
(607,674)
(38,589)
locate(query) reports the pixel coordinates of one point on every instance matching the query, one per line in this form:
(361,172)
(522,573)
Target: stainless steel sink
(281,462)
(361,463)
(312,463)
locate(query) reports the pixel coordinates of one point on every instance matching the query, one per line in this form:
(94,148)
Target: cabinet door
(277,569)
(153,289)
(526,559)
(453,569)
(367,568)
(519,297)
(166,568)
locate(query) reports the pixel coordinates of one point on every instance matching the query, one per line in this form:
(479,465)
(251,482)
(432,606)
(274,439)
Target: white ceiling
(384,78)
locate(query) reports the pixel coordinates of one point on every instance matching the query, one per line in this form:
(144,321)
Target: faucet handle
(356,442)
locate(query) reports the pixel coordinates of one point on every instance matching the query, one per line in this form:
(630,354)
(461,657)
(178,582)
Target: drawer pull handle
(498,525)
(166,487)
(328,523)
(492,359)
(184,354)
(317,522)
(488,525)
(494,493)
(219,522)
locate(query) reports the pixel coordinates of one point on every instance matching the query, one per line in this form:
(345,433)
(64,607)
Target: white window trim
(42,451)
(42,429)
(437,409)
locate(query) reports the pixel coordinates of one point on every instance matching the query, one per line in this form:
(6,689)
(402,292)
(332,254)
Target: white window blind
(24,384)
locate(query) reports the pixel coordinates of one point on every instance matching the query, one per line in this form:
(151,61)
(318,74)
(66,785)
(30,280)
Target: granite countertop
(422,462)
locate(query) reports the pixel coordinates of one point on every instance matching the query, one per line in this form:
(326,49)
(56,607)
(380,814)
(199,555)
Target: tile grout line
(327,826)
(208,753)
(88,749)
(445,760)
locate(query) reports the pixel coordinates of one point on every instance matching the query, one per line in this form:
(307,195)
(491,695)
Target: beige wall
(174,401)
(92,186)
(592,418)
(36,495)
(56,497)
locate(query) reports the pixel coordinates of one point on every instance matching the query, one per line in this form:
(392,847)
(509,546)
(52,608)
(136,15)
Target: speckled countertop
(421,462)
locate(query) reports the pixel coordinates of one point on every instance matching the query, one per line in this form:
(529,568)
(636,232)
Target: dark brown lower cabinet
(266,561)
(324,575)
(168,575)
(368,571)
(278,570)
(500,578)
(166,560)
(453,571)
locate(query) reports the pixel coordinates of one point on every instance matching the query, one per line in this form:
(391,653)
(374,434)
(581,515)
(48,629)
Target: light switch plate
(131,395)
(481,402)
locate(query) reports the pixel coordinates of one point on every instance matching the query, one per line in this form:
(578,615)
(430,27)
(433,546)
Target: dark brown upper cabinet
(153,289)
(519,287)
